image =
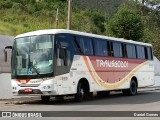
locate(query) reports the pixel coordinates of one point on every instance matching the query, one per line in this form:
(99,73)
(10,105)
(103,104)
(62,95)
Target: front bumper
(45,88)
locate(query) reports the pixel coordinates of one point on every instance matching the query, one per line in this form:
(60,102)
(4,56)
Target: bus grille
(29,85)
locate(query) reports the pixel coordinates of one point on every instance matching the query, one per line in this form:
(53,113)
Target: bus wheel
(80,93)
(103,93)
(45,98)
(132,90)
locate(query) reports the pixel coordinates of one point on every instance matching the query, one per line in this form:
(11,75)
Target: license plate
(28,89)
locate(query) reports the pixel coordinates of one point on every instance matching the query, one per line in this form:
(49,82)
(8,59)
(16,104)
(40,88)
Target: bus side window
(77,44)
(62,57)
(65,51)
(100,47)
(149,53)
(117,49)
(140,52)
(131,51)
(84,45)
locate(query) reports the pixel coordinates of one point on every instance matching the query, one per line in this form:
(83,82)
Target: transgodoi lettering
(112,63)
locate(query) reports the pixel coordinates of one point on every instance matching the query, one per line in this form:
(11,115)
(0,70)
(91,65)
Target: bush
(126,24)
(5,4)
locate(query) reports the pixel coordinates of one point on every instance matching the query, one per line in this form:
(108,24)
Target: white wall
(156,72)
(156,67)
(5,86)
(5,76)
(157,81)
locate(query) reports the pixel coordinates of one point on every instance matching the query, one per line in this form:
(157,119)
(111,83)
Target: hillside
(19,16)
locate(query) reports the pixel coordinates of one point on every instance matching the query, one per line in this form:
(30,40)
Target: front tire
(80,93)
(132,90)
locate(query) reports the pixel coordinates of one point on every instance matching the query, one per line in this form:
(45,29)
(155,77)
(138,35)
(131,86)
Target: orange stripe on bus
(124,80)
(98,79)
(88,66)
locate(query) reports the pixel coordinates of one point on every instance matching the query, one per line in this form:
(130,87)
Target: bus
(59,62)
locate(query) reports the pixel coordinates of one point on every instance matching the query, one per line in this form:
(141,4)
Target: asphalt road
(144,102)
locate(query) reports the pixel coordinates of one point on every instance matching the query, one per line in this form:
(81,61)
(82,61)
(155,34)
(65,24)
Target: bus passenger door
(65,51)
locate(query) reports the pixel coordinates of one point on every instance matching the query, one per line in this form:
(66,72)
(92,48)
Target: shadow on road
(113,99)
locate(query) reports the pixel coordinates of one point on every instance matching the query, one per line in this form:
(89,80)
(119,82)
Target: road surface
(144,101)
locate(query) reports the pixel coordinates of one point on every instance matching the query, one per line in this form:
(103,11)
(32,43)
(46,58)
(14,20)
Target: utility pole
(57,19)
(69,14)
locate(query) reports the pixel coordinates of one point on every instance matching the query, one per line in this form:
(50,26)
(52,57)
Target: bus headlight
(14,88)
(47,87)
(44,87)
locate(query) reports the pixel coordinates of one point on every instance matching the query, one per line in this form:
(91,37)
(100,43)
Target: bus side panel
(111,76)
(146,75)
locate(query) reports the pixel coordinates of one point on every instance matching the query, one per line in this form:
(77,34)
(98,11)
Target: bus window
(65,50)
(100,47)
(88,48)
(131,51)
(149,52)
(140,52)
(117,49)
(77,44)
(85,44)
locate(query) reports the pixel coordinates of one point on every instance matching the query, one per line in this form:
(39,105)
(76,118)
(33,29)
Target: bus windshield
(32,55)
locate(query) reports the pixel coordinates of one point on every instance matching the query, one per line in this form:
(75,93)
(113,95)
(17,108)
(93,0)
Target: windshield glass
(33,55)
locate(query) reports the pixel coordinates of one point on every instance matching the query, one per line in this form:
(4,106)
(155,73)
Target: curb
(24,102)
(19,100)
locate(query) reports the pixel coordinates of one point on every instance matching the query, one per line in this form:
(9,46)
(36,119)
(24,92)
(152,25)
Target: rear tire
(132,90)
(45,99)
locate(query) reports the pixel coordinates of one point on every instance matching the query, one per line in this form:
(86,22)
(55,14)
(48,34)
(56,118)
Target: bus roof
(56,31)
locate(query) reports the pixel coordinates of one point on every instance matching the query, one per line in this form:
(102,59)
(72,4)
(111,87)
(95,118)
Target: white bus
(59,62)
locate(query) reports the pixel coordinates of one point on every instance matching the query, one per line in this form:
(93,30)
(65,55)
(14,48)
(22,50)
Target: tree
(126,23)
(156,46)
(89,21)
(152,2)
(5,4)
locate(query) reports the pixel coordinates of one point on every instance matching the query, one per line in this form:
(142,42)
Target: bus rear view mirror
(5,52)
(62,56)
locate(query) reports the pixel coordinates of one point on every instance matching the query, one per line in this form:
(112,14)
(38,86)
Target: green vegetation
(28,15)
(119,18)
(126,23)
